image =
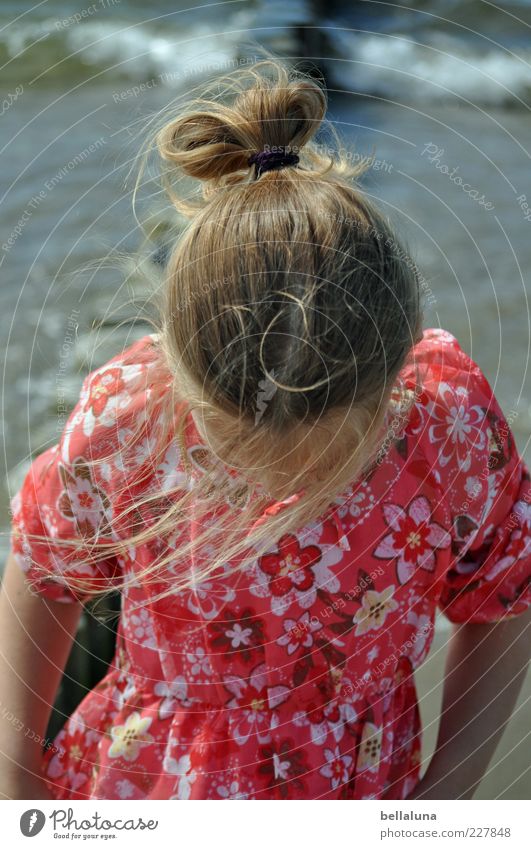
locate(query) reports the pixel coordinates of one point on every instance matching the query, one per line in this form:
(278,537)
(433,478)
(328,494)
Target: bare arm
(35,640)
(485,669)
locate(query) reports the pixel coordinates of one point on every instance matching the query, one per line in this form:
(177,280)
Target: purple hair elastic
(268,160)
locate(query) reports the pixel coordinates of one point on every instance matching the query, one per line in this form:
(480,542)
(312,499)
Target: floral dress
(294,677)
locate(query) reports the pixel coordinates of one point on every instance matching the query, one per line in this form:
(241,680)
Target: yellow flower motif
(374,609)
(370,747)
(129,738)
(336,675)
(76,752)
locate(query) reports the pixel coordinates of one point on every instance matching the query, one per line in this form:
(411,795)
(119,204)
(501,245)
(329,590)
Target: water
(424,92)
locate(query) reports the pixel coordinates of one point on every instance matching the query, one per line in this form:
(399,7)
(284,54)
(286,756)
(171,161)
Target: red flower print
(210,742)
(413,538)
(107,384)
(299,634)
(251,702)
(68,764)
(81,501)
(290,568)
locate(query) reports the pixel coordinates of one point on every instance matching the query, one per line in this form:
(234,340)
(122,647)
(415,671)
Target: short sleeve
(60,501)
(484,485)
(67,494)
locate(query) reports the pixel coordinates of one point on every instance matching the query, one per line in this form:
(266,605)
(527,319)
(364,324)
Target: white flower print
(239,636)
(337,768)
(472,487)
(187,776)
(49,520)
(126,694)
(141,628)
(107,395)
(299,632)
(359,505)
(175,694)
(457,425)
(125,789)
(169,472)
(334,720)
(232,791)
(207,598)
(106,471)
(200,662)
(420,638)
(519,545)
(85,502)
(251,703)
(373,654)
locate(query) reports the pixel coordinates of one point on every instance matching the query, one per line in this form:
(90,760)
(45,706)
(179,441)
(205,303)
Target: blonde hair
(288,358)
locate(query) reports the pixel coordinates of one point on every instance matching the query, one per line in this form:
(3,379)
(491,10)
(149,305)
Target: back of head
(290,304)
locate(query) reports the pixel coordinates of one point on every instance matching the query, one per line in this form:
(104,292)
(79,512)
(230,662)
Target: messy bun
(290,305)
(265,106)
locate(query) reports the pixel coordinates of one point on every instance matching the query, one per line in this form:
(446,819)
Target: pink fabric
(294,678)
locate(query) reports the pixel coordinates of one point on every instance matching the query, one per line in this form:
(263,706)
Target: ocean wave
(418,66)
(44,50)
(404,69)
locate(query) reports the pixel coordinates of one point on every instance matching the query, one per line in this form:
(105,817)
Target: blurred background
(438,91)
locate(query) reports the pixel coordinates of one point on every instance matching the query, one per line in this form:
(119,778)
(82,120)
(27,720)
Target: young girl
(285,482)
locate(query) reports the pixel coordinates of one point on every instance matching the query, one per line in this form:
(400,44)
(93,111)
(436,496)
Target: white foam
(393,65)
(397,67)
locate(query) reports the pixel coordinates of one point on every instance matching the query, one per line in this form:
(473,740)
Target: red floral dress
(293,678)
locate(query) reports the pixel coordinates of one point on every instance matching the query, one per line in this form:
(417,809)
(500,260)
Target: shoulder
(440,357)
(443,374)
(115,399)
(455,414)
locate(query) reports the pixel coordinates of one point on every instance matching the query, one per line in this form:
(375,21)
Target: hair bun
(252,108)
